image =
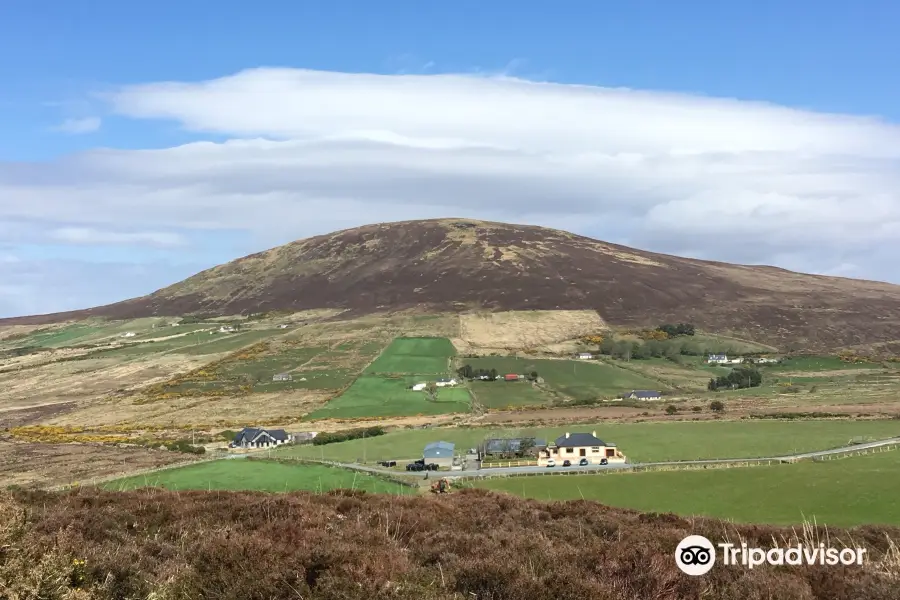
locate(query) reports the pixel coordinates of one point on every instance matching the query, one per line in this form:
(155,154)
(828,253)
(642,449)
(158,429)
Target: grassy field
(847,492)
(260,476)
(640,442)
(576,379)
(377,396)
(500,394)
(419,356)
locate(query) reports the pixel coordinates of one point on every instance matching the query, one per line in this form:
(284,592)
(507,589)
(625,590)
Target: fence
(851,453)
(94,481)
(498,464)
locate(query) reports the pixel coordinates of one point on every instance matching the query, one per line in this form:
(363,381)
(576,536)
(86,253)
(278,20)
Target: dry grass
(471,545)
(524,329)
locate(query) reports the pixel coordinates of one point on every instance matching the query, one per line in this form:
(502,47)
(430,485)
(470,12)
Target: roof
(510,444)
(644,393)
(439,449)
(578,440)
(248,434)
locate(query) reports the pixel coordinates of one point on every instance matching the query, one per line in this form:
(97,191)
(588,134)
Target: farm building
(642,395)
(512,446)
(440,453)
(251,437)
(282,377)
(575,446)
(511,377)
(584,355)
(128,334)
(717,359)
(445,382)
(418,387)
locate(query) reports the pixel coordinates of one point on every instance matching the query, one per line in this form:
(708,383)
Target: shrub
(334,437)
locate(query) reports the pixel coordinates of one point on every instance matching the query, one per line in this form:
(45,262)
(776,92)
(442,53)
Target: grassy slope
(258,476)
(407,361)
(574,378)
(641,442)
(853,491)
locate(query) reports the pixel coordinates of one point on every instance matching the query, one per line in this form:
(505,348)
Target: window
(595,449)
(570,450)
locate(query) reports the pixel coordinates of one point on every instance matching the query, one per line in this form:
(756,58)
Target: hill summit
(464,264)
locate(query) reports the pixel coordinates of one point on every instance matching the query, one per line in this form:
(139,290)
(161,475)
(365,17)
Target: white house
(717,359)
(250,437)
(282,326)
(128,334)
(418,387)
(642,395)
(585,355)
(226,329)
(445,382)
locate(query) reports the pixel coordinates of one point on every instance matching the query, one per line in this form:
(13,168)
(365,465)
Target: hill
(462,264)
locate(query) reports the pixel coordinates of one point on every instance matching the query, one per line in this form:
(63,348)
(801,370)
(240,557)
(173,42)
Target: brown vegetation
(470,545)
(460,264)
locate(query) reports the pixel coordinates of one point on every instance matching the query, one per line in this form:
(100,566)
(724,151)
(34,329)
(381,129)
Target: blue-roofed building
(509,447)
(439,453)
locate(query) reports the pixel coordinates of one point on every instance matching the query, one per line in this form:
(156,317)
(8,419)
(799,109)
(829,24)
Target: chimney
(594,433)
(567,435)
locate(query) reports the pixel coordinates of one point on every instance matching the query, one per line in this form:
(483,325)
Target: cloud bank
(308,152)
(78,126)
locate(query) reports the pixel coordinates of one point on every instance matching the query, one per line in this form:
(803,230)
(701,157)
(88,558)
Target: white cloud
(78,126)
(87,235)
(315,151)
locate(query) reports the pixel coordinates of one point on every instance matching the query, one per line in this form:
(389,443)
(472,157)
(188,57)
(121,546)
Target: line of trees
(676,329)
(468,372)
(669,348)
(739,378)
(332,437)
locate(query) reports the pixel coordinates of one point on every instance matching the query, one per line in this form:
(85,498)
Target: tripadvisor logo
(696,555)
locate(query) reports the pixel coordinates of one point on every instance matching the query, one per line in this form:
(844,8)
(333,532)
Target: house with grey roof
(577,446)
(252,437)
(508,447)
(282,377)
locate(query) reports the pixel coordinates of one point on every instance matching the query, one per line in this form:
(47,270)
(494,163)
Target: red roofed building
(511,377)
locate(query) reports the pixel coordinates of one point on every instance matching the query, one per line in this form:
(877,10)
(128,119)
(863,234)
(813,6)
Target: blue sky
(74,62)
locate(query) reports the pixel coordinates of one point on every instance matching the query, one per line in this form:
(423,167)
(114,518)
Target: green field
(502,394)
(419,356)
(846,492)
(640,442)
(377,396)
(227,342)
(577,379)
(816,363)
(260,476)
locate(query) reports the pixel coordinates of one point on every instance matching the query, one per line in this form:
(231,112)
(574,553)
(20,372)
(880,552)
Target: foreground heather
(347,545)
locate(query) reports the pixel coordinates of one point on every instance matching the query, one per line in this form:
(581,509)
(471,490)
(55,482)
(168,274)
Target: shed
(282,377)
(642,395)
(511,377)
(440,453)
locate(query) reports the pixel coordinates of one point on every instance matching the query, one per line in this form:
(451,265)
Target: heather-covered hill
(347,545)
(462,264)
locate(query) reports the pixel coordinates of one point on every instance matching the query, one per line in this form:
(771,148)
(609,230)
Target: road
(596,468)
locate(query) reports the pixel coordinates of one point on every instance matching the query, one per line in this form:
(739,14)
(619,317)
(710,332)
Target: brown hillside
(460,264)
(91,545)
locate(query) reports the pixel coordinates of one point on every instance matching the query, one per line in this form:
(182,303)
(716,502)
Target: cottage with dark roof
(577,446)
(251,437)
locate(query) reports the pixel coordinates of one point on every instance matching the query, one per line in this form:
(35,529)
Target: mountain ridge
(461,264)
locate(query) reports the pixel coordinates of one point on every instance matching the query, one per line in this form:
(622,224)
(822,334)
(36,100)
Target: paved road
(596,468)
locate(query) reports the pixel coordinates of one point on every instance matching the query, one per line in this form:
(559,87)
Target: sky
(141,143)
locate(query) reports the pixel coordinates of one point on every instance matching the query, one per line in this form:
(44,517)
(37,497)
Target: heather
(472,544)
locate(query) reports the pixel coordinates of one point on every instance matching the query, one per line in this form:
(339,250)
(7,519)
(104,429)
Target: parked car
(567,463)
(583,462)
(603,461)
(551,462)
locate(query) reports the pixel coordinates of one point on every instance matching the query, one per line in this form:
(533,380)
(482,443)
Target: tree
(525,446)
(432,390)
(493,374)
(465,371)
(671,409)
(717,406)
(533,375)
(638,351)
(607,347)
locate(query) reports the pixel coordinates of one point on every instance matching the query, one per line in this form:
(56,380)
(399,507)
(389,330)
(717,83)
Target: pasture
(378,396)
(419,356)
(575,379)
(640,442)
(847,492)
(259,475)
(502,394)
